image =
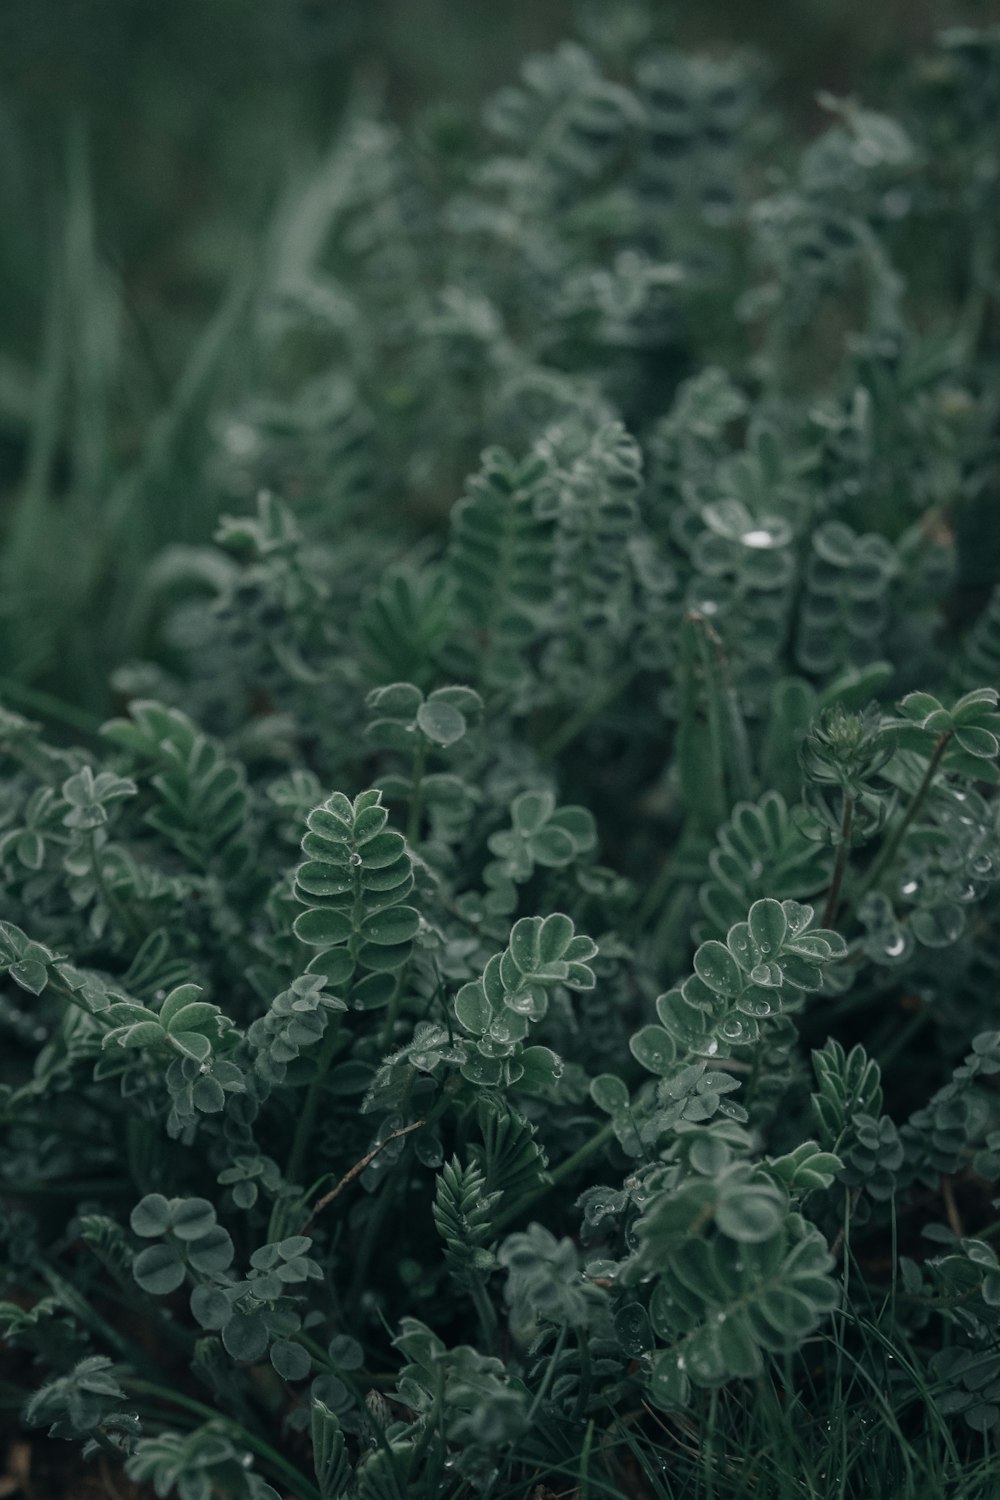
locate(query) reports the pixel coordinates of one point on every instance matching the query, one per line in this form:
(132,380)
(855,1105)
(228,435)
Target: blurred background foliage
(147,151)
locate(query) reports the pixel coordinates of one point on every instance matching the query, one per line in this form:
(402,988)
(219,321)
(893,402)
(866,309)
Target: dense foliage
(511,999)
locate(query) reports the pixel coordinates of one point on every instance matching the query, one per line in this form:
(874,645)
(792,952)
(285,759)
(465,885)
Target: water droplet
(355,859)
(708,607)
(710,1048)
(759,538)
(895,948)
(909,888)
(764,947)
(681,1361)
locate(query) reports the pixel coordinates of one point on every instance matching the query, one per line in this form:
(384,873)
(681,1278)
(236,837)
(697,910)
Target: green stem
(303,1129)
(558,1174)
(583,1391)
(372,1230)
(656,893)
(485,1311)
(392,1012)
(751,1087)
(51,706)
(547,1378)
(843,854)
(570,728)
(123,917)
(80,1187)
(889,849)
(416,799)
(301,1487)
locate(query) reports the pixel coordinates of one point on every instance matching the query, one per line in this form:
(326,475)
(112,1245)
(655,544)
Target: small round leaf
(151,1216)
(440,722)
(291,1361)
(158,1269)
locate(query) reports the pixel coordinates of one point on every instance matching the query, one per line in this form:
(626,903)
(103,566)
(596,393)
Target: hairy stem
(890,848)
(577,723)
(416,797)
(485,1310)
(559,1174)
(843,855)
(303,1129)
(289,1473)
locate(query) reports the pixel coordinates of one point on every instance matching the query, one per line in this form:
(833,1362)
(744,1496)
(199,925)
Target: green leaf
(214,1251)
(768,926)
(978,742)
(192,1218)
(210,1307)
(737,1347)
(381,851)
(716,967)
(208,1095)
(472,1008)
(654,1048)
(397,924)
(554,937)
(542,1068)
(322,927)
(399,700)
(191,1017)
(151,1216)
(440,722)
(178,998)
(750,1214)
(158,1270)
(291,1361)
(530,811)
(245,1336)
(609,1093)
(669,1384)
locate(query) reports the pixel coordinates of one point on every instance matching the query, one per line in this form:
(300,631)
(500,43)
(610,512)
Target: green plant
(510,999)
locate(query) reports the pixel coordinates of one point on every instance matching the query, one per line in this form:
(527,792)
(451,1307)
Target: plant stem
(558,1174)
(121,915)
(889,849)
(303,1129)
(751,1087)
(843,855)
(570,728)
(80,1187)
(51,706)
(392,1011)
(301,1486)
(372,1230)
(416,799)
(484,1311)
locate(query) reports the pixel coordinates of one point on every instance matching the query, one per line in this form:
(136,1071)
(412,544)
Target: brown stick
(951,1208)
(359,1166)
